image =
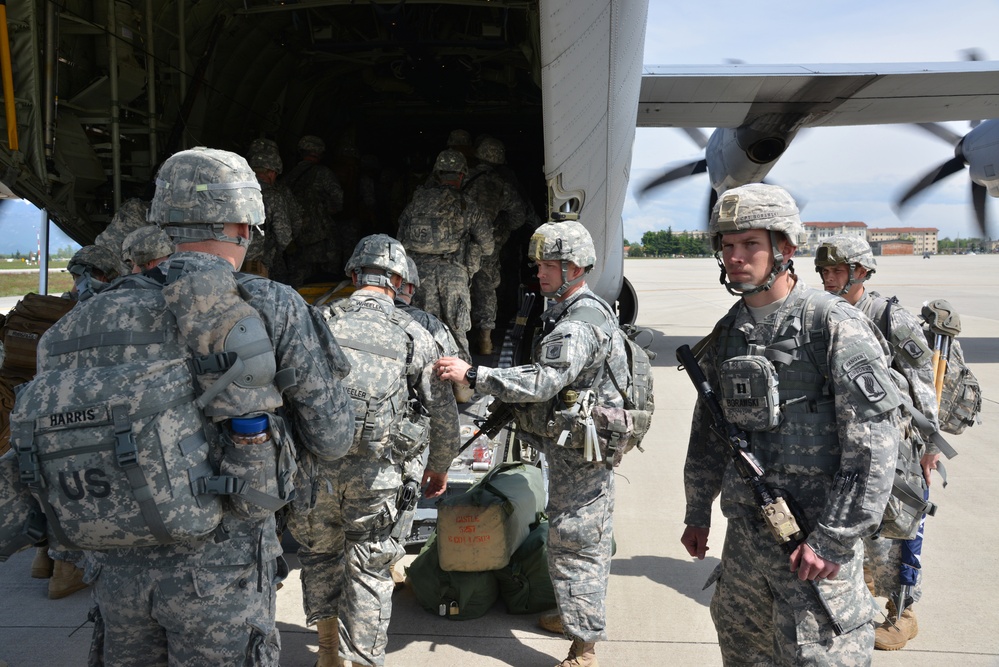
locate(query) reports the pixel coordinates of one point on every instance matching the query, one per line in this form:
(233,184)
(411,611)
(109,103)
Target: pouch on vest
(256,477)
(749,392)
(234,357)
(907,502)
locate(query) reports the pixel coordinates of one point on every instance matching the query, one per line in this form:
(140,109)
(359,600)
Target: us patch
(553,351)
(870,387)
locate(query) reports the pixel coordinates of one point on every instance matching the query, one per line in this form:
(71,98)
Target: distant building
(924,239)
(894,247)
(820,231)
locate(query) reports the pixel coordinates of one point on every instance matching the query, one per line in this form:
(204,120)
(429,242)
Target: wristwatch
(471,375)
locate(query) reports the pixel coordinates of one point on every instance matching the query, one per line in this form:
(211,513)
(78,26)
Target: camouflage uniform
(580,493)
(283,215)
(320,248)
(447,260)
(501,204)
(130,216)
(445,339)
(212,601)
(346,552)
(841,474)
(914,361)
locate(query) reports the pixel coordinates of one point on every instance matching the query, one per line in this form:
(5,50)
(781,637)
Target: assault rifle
(776,509)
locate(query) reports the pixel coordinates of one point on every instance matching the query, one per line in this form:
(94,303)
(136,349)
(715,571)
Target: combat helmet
(459,138)
(378,251)
(450,162)
(310,144)
(412,276)
(491,150)
(756,206)
(264,154)
(199,190)
(565,241)
(853,251)
(145,244)
(85,262)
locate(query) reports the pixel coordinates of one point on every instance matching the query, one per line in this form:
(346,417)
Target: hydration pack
(388,420)
(117,436)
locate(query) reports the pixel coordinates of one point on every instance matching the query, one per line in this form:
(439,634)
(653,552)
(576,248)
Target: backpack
(380,351)
(961,398)
(525,584)
(437,224)
(621,430)
(117,437)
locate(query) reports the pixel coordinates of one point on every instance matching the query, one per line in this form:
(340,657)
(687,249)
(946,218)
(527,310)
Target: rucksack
(456,596)
(438,225)
(117,438)
(636,389)
(961,399)
(380,351)
(525,584)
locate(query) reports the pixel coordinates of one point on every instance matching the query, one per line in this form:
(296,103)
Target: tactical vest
(807,437)
(118,438)
(388,419)
(438,225)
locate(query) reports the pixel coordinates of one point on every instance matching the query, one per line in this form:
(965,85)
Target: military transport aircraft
(98,92)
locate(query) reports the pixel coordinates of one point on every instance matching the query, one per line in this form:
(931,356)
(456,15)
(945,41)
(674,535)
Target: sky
(843,174)
(19,221)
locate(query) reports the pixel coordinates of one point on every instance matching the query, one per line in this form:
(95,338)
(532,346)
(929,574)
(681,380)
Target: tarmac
(657,610)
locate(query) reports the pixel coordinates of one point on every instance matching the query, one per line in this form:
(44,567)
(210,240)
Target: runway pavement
(658,613)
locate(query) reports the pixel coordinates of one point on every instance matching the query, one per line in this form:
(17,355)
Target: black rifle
(776,509)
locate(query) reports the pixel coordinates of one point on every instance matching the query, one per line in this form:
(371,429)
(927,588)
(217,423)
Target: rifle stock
(776,509)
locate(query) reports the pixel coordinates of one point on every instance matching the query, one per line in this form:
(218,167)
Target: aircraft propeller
(981,135)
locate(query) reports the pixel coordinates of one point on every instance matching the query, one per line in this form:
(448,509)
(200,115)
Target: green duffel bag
(458,596)
(480,529)
(525,583)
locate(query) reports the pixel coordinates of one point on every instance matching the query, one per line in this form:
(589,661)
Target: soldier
(501,204)
(571,358)
(447,236)
(283,222)
(211,600)
(826,435)
(461,141)
(845,264)
(320,250)
(145,248)
(404,299)
(349,542)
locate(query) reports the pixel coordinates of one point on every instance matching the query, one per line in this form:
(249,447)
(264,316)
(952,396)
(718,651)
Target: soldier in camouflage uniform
(130,216)
(283,222)
(319,249)
(447,236)
(348,547)
(145,248)
(501,204)
(845,263)
(833,449)
(570,357)
(211,601)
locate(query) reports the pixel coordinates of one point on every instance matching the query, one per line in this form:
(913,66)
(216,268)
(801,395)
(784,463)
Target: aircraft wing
(821,95)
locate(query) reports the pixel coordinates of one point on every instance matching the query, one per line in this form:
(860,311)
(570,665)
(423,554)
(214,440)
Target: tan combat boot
(869,580)
(552,622)
(329,642)
(888,637)
(66,580)
(42,564)
(581,654)
(485,341)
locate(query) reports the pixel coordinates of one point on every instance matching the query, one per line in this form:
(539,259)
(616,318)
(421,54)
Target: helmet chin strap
(778,267)
(853,280)
(566,283)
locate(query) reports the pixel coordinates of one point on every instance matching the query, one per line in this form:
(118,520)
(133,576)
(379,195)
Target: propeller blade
(941,132)
(684,170)
(951,166)
(697,135)
(978,194)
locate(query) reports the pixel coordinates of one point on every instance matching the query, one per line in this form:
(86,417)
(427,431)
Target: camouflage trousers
(883,558)
(347,553)
(444,292)
(484,286)
(148,616)
(580,534)
(765,615)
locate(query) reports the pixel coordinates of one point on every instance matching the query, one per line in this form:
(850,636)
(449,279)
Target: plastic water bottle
(250,430)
